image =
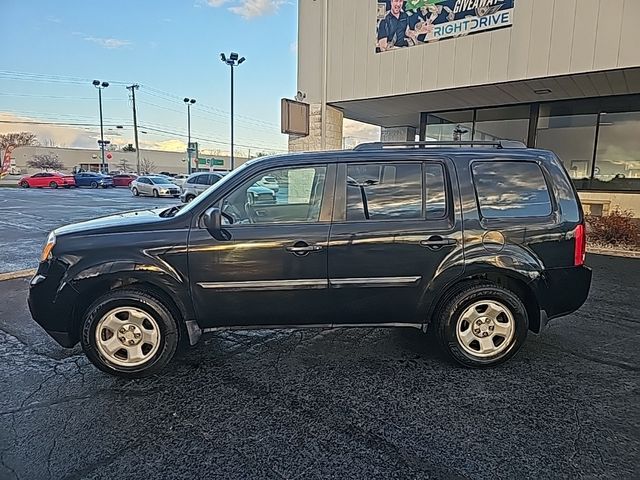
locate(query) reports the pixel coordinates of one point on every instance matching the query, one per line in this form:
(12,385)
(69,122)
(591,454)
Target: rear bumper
(564,290)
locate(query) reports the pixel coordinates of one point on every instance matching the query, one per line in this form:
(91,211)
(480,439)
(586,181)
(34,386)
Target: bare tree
(45,161)
(18,139)
(124,165)
(49,142)
(147,166)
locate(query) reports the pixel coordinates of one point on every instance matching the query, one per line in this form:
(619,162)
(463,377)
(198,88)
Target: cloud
(109,43)
(360,131)
(249,8)
(53,19)
(60,135)
(172,145)
(293,47)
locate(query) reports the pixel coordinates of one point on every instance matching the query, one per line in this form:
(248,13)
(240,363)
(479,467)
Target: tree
(124,165)
(45,161)
(49,142)
(147,166)
(129,148)
(18,139)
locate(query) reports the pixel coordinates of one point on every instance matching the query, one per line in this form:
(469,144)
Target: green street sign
(210,161)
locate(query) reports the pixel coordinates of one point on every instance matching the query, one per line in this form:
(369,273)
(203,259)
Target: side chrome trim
(301,284)
(374,282)
(419,326)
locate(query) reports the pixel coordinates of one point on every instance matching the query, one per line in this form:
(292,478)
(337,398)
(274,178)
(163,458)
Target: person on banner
(397,28)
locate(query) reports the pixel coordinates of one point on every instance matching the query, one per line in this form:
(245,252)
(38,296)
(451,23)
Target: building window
(508,123)
(450,126)
(617,165)
(511,189)
(570,132)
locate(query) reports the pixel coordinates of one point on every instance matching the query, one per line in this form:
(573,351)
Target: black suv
(478,242)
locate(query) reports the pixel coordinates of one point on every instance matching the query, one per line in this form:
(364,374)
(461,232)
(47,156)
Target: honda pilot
(478,243)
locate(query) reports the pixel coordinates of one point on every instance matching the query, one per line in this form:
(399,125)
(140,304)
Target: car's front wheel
(24,184)
(129,333)
(156,194)
(482,325)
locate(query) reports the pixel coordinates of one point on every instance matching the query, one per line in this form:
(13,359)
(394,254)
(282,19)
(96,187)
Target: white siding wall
(549,37)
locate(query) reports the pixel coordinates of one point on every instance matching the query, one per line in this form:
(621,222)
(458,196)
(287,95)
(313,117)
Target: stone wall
(313,142)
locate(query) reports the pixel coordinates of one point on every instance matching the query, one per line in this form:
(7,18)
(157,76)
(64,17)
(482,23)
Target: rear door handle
(437,242)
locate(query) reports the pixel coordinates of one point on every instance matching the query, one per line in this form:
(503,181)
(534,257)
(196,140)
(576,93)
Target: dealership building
(562,75)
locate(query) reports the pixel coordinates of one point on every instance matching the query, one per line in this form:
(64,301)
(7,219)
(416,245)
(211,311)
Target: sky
(171,48)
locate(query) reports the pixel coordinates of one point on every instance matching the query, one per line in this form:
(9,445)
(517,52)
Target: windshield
(160,181)
(226,177)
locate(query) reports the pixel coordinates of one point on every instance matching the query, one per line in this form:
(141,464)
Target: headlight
(46,251)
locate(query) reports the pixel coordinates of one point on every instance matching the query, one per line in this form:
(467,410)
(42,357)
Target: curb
(614,252)
(18,274)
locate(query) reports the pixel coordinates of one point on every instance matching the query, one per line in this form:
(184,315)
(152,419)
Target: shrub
(617,228)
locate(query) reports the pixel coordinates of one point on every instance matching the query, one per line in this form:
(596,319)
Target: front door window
(292,195)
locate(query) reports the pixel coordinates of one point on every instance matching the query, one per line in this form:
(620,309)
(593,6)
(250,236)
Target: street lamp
(101,86)
(189,102)
(232,61)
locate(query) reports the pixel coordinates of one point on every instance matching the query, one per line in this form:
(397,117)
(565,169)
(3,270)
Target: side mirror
(212,220)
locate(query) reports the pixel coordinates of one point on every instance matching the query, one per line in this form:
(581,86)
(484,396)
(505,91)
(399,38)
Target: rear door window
(511,189)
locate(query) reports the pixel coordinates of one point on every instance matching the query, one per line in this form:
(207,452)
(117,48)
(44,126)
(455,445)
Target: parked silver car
(153,185)
(199,182)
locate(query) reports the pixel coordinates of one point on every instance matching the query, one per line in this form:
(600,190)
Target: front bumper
(51,303)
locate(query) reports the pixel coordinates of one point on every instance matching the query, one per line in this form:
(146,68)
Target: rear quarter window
(511,189)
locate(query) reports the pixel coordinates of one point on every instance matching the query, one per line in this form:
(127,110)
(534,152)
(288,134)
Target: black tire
(155,193)
(169,334)
(53,185)
(190,198)
(24,184)
(94,184)
(135,192)
(446,319)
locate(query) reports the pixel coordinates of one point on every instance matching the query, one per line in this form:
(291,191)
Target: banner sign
(5,168)
(406,23)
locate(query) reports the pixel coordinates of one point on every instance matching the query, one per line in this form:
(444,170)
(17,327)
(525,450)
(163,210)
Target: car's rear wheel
(129,333)
(24,184)
(190,198)
(482,325)
(135,192)
(94,184)
(53,185)
(155,193)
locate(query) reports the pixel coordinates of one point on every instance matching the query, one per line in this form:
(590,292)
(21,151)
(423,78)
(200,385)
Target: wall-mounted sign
(406,23)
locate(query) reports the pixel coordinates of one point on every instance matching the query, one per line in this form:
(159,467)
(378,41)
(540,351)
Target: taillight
(580,248)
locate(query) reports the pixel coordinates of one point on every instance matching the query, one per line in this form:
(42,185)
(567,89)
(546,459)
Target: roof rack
(497,144)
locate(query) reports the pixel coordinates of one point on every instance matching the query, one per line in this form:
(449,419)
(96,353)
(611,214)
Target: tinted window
(298,199)
(213,179)
(201,180)
(511,189)
(384,191)
(146,181)
(436,198)
(159,181)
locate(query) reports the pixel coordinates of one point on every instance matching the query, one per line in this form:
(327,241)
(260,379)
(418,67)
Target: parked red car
(123,180)
(48,179)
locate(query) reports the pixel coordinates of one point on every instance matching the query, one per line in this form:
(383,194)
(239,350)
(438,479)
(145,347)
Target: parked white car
(269,182)
(154,185)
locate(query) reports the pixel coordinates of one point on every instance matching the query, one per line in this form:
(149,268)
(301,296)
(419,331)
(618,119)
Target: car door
(271,268)
(395,225)
(145,186)
(43,180)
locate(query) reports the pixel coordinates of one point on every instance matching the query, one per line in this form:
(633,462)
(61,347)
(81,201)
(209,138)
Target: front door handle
(302,249)
(437,242)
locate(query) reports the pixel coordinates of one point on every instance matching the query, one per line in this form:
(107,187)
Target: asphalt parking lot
(28,215)
(356,404)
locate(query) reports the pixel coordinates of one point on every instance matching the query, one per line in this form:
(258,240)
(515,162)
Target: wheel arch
(515,281)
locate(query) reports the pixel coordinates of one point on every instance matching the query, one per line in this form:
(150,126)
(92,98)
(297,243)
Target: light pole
(189,102)
(232,61)
(100,86)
